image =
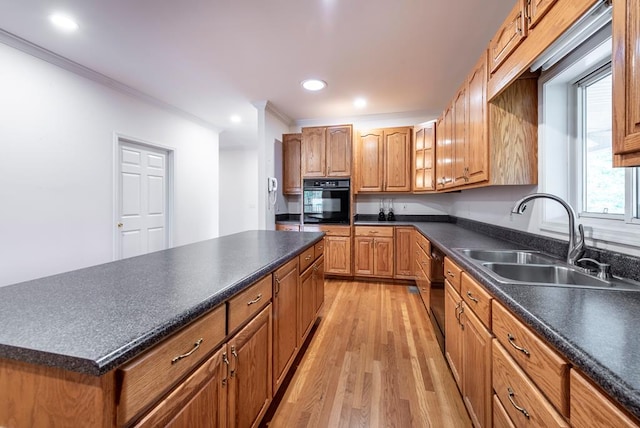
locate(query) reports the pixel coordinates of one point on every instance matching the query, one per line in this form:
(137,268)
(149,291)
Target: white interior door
(143,196)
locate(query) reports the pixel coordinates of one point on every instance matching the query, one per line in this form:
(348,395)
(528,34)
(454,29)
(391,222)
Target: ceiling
(216,58)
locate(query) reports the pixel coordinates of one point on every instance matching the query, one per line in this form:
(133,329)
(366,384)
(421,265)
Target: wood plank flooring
(373,362)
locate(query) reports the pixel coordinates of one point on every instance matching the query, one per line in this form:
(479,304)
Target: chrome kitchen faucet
(576,247)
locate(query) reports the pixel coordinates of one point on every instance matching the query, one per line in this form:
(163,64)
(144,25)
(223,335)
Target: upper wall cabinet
(326,151)
(626,82)
(424,151)
(383,160)
(509,36)
(531,27)
(536,10)
(483,144)
(291,178)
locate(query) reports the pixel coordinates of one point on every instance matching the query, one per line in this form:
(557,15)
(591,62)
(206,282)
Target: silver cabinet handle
(513,403)
(519,348)
(307,258)
(256,300)
(235,354)
(470,296)
(195,348)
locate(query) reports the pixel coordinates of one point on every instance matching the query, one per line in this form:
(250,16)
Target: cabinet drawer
(319,249)
(547,369)
(374,231)
(150,375)
(336,230)
(306,258)
(477,299)
(452,273)
(423,243)
(288,227)
(524,403)
(249,302)
(599,412)
(501,418)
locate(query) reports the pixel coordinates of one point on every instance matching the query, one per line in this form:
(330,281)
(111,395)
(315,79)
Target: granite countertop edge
(106,363)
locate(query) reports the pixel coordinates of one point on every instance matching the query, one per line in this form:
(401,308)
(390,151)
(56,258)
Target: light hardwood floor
(372,362)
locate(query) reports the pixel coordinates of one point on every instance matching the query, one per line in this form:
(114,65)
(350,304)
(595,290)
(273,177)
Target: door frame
(118,140)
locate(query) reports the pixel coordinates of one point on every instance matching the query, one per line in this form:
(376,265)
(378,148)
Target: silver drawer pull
(450,273)
(256,300)
(195,348)
(307,258)
(320,248)
(513,403)
(470,296)
(519,348)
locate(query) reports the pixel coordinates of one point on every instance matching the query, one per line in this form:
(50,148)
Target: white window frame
(561,146)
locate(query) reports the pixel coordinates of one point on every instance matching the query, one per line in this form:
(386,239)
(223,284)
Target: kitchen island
(79,327)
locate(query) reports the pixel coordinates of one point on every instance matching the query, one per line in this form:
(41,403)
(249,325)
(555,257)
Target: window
(603,187)
(575,135)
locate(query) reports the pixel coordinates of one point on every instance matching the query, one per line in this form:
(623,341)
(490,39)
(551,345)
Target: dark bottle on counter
(381,216)
(391,216)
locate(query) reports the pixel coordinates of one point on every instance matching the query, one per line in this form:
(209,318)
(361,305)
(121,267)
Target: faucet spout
(576,240)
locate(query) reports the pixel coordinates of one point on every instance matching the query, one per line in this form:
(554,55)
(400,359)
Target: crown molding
(39,52)
(419,116)
(271,108)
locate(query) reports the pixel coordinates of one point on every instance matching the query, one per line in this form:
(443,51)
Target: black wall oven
(325,201)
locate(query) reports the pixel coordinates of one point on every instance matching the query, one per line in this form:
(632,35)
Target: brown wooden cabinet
(444,150)
(509,36)
(522,400)
(250,364)
(306,306)
(476,153)
(600,410)
(369,164)
(459,142)
(626,83)
(337,248)
(291,172)
(383,160)
(285,332)
(397,159)
(199,401)
(536,9)
(424,155)
(476,367)
(318,283)
(374,251)
(326,151)
(453,331)
(288,227)
(403,246)
(468,352)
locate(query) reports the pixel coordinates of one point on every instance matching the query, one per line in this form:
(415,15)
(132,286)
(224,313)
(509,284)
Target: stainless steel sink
(554,275)
(546,274)
(523,267)
(508,256)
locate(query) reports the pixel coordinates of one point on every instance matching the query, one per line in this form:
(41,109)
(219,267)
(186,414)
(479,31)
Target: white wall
(238,190)
(56,167)
(271,126)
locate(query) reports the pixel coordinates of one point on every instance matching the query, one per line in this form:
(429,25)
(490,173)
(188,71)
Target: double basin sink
(533,268)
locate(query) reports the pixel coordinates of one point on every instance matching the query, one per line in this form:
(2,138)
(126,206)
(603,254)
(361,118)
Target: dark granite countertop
(93,320)
(596,330)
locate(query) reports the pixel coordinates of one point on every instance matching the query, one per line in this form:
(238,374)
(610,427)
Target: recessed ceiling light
(236,119)
(360,103)
(314,84)
(63,22)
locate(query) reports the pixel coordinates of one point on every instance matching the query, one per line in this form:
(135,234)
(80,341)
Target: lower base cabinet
(285,319)
(200,401)
(250,388)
